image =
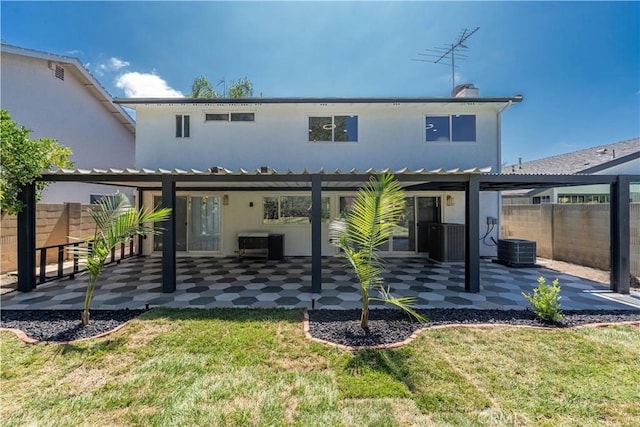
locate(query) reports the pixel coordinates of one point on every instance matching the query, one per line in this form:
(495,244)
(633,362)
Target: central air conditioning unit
(517,252)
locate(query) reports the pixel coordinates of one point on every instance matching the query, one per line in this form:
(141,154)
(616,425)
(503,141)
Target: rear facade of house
(320,134)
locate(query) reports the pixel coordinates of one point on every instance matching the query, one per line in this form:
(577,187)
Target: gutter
(303,100)
(499,156)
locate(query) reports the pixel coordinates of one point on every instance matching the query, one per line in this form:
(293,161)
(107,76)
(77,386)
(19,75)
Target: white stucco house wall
(619,158)
(311,134)
(56,97)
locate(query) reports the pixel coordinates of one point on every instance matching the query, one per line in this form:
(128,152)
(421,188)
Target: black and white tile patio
(206,282)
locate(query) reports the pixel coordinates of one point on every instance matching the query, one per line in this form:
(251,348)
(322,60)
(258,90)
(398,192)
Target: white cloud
(145,85)
(113,64)
(117,63)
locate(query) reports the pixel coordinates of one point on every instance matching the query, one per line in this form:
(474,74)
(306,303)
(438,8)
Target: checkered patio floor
(206,282)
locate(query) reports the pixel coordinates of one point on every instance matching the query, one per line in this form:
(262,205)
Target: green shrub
(545,301)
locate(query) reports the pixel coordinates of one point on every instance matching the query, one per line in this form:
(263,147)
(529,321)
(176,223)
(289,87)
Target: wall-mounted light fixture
(225,200)
(450,200)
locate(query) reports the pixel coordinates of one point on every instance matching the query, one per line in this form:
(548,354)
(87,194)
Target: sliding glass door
(204,224)
(197,224)
(410,234)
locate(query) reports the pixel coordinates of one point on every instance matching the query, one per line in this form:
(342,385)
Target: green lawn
(255,367)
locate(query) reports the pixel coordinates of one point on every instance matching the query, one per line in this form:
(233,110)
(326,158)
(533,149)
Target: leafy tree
(370,222)
(202,88)
(116,222)
(23,159)
(243,88)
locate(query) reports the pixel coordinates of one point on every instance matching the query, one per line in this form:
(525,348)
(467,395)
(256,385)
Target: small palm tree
(116,222)
(370,223)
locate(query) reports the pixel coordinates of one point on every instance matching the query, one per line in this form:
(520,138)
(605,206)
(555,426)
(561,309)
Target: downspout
(499,133)
(499,156)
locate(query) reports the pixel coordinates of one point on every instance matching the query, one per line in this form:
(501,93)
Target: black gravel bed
(388,326)
(64,325)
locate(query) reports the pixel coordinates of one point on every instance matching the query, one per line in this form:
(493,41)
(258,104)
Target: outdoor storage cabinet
(446,242)
(270,246)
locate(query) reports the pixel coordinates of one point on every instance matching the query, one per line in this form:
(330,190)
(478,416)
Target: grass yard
(231,367)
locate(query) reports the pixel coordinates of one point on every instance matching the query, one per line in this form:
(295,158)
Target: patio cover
(471,181)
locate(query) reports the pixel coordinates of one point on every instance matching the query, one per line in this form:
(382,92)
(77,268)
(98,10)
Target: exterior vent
(466,90)
(517,252)
(446,242)
(59,72)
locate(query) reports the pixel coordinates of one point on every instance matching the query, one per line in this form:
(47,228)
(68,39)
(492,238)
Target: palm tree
(243,88)
(370,222)
(116,222)
(202,88)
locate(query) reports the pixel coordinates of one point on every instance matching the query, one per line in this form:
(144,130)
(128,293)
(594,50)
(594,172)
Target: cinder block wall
(530,222)
(576,233)
(55,224)
(581,234)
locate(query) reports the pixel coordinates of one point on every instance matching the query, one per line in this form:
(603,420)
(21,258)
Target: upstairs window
(182,126)
(243,117)
(216,117)
(333,129)
(230,117)
(456,128)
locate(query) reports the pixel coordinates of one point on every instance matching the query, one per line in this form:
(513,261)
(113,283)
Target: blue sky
(576,63)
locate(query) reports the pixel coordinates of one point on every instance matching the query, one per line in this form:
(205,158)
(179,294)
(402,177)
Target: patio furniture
(263,245)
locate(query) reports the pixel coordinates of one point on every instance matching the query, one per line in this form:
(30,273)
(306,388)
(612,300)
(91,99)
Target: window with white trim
(451,128)
(291,210)
(333,129)
(183,126)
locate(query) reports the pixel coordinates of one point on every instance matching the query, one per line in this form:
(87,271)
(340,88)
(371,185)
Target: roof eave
(315,100)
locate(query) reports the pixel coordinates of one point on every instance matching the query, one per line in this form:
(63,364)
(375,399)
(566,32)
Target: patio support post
(169,235)
(316,234)
(140,205)
(27,239)
(472,244)
(620,234)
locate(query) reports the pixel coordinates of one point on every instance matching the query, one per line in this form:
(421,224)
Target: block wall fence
(55,224)
(575,233)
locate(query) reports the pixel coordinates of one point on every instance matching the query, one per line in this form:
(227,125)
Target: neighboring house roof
(585,161)
(326,100)
(87,79)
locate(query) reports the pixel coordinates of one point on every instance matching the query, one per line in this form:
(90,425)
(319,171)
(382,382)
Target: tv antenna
(447,55)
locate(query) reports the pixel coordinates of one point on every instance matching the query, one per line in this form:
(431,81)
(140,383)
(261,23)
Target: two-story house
(246,170)
(334,135)
(56,97)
